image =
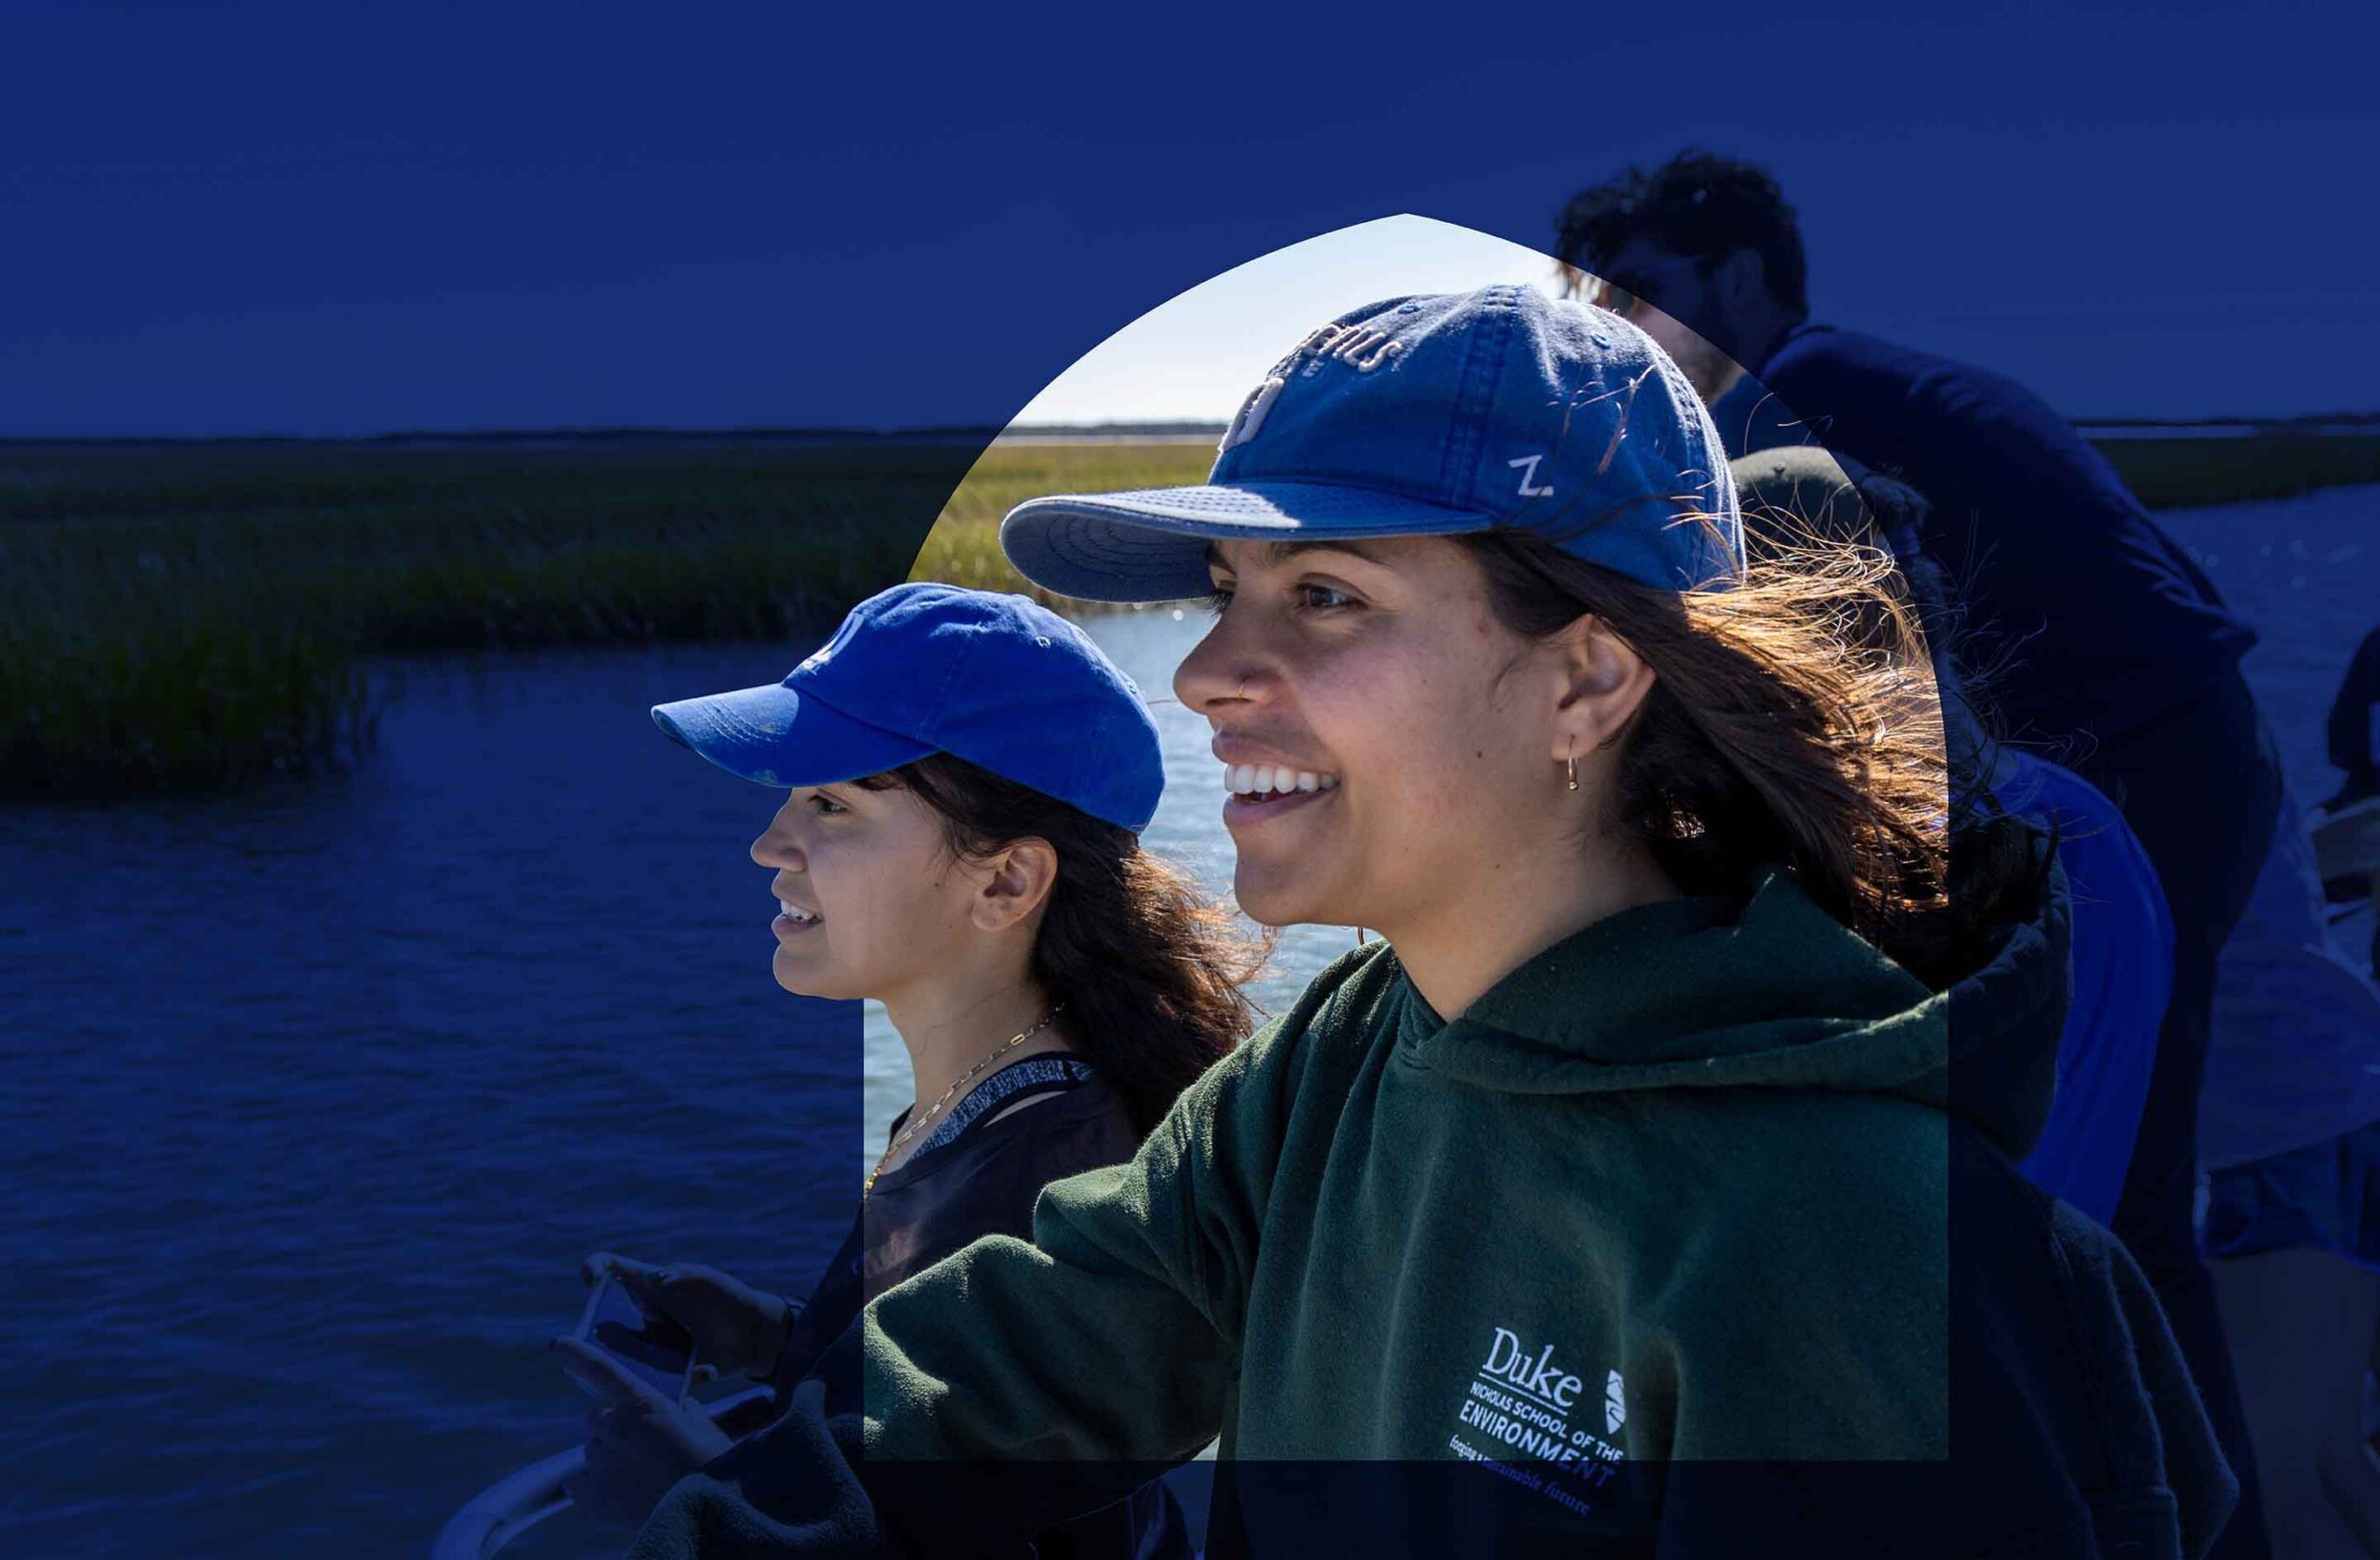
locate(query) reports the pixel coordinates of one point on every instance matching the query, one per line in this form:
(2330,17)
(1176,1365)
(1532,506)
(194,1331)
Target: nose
(1222,673)
(777,848)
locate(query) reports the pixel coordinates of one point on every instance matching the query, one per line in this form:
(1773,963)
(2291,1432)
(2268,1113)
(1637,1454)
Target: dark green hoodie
(1679,1190)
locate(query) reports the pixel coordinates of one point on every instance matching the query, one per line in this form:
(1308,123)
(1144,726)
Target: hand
(637,1443)
(736,1329)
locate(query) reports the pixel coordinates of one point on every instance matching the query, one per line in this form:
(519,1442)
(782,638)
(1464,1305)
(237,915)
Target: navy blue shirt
(2085,617)
(979,1172)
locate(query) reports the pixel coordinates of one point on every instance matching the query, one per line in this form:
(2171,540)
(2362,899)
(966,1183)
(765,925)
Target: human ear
(1741,280)
(1016,882)
(1603,683)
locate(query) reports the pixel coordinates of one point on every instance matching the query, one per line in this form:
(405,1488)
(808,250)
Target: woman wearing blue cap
(968,777)
(1647,1186)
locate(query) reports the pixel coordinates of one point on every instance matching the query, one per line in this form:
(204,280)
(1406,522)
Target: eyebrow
(1275,554)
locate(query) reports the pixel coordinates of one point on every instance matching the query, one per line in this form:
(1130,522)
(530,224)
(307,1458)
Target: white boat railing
(520,1500)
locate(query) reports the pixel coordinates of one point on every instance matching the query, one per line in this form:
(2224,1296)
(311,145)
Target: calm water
(2305,573)
(316,1098)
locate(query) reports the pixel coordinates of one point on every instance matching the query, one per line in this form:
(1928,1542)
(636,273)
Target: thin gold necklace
(935,1109)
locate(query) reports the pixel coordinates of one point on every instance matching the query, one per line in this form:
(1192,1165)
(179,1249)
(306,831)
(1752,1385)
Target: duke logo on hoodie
(1520,1403)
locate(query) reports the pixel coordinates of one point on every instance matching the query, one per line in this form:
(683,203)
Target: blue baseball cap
(1428,415)
(998,681)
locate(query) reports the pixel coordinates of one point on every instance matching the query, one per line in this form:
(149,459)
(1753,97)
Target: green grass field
(964,547)
(185,619)
(189,617)
(2183,472)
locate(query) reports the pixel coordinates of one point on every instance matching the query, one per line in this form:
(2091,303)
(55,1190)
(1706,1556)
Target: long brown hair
(1792,720)
(1149,970)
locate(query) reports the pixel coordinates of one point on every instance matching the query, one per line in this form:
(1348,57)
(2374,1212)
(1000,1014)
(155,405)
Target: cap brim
(1150,544)
(776,736)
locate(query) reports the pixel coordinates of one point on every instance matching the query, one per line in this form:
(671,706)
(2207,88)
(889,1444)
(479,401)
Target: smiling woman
(1380,663)
(1457,1255)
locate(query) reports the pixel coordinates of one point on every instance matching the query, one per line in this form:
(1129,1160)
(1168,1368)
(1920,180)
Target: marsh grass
(187,617)
(963,547)
(179,621)
(2184,473)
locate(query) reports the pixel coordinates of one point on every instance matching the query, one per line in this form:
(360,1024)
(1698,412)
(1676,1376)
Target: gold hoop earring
(1570,762)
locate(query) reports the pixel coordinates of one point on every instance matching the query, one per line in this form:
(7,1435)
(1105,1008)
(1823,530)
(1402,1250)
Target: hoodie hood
(1771,992)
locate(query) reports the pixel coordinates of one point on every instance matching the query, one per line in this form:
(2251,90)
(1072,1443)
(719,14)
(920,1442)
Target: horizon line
(1116,429)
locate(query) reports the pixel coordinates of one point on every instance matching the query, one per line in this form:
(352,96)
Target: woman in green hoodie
(1610,1198)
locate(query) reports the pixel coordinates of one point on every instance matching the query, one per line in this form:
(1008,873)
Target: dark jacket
(2102,620)
(1030,1123)
(1698,1233)
(978,1173)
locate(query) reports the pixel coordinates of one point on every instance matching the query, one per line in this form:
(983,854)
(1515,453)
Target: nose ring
(1243,687)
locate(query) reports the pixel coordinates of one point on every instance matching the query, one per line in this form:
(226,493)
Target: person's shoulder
(1825,344)
(1352,999)
(2081,816)
(1085,1127)
(1872,1202)
(2028,777)
(1347,1002)
(989,1180)
(2039,1285)
(1831,382)
(1804,1282)
(1360,977)
(1350,991)
(1813,1174)
(1077,1135)
(1854,363)
(1830,1205)
(2059,1337)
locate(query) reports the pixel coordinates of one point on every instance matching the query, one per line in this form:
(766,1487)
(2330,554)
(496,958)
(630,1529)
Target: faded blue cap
(1429,416)
(998,681)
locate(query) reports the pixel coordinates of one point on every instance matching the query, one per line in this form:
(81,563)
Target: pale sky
(1196,356)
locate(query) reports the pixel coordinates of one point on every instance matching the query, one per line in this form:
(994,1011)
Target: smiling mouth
(1261,782)
(1258,792)
(792,918)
